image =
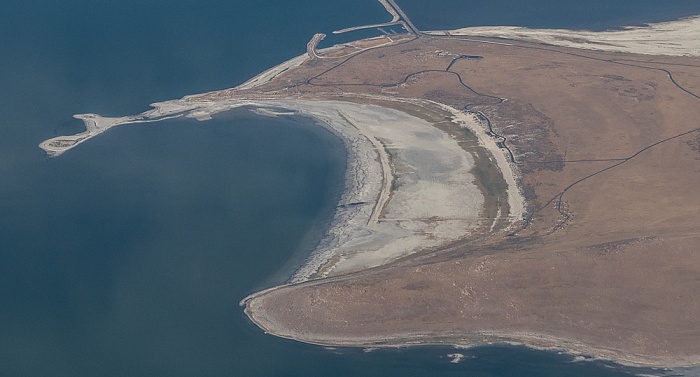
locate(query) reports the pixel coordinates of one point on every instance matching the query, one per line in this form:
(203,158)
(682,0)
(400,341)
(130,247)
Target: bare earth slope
(629,301)
(606,262)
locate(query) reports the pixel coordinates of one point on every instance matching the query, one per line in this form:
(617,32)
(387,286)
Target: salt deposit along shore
(96,124)
(672,38)
(409,188)
(408,184)
(586,288)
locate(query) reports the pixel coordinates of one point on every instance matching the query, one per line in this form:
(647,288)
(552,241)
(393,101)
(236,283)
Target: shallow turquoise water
(127,256)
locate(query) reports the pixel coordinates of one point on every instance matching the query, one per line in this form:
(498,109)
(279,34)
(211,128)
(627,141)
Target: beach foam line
(673,38)
(273,72)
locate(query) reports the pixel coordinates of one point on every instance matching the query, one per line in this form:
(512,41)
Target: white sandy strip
(675,38)
(516,201)
(435,200)
(94,125)
(273,72)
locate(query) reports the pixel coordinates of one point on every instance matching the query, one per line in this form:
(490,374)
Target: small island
(503,186)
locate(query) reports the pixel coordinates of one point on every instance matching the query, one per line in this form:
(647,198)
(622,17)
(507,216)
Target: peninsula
(503,186)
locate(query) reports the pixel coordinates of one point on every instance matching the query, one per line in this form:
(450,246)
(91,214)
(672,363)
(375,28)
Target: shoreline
(536,342)
(382,215)
(325,264)
(530,340)
(95,124)
(268,75)
(456,339)
(533,341)
(671,38)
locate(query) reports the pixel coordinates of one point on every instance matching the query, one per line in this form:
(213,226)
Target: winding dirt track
(607,260)
(596,267)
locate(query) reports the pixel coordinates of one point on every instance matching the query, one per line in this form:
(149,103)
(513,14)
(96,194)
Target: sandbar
(672,38)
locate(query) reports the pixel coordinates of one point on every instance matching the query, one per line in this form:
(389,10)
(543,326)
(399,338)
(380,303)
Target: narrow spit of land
(586,238)
(409,186)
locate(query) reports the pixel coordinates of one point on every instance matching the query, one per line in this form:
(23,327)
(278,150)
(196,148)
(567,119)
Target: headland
(499,190)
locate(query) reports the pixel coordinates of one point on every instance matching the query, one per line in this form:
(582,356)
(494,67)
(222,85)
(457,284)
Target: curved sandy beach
(408,184)
(410,189)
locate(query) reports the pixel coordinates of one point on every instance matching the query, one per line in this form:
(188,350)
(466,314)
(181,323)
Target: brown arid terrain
(580,230)
(607,259)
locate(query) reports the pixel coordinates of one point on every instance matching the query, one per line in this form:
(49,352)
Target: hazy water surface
(127,256)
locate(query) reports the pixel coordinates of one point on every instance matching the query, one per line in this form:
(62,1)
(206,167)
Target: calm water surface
(547,14)
(127,256)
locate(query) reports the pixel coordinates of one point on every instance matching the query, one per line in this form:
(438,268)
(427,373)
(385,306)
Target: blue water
(127,256)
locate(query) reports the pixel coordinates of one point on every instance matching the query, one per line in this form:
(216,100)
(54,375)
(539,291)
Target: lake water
(127,256)
(547,14)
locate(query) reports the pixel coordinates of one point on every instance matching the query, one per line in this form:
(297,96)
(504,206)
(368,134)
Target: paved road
(407,21)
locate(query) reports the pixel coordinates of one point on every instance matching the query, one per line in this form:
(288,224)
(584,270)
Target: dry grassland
(607,261)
